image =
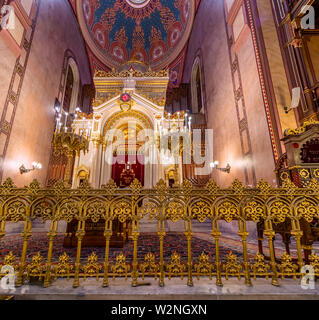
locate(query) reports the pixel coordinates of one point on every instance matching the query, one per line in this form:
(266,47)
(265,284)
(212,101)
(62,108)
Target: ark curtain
(137,164)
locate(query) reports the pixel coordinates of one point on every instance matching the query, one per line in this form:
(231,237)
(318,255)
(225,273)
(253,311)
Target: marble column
(96,165)
(148,172)
(102,166)
(76,165)
(106,165)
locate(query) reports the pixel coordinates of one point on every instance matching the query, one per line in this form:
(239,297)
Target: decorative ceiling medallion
(138,3)
(125,102)
(125,97)
(153,32)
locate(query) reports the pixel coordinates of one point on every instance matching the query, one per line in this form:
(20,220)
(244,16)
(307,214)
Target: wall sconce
(35,166)
(214,165)
(57,105)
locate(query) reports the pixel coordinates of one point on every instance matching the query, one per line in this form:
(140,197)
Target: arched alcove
(123,152)
(197,87)
(71,87)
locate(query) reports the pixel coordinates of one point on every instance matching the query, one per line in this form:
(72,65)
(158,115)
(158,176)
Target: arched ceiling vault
(154,32)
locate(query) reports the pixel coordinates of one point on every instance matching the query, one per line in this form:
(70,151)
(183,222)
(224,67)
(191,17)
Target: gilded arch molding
(133,114)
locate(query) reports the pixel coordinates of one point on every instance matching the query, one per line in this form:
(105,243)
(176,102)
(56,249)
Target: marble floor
(174,289)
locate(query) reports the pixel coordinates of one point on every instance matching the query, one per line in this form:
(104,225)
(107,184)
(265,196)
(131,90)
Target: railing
(210,204)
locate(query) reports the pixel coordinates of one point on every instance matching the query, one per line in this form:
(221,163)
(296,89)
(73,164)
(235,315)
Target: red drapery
(137,164)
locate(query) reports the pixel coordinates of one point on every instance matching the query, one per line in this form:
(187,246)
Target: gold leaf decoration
(110,188)
(232,267)
(264,187)
(314,261)
(44,210)
(289,186)
(136,187)
(187,188)
(7,186)
(34,187)
(16,211)
(228,211)
(254,211)
(212,187)
(176,267)
(68,211)
(122,211)
(287,267)
(59,188)
(279,212)
(201,211)
(84,187)
(149,209)
(120,268)
(238,187)
(63,268)
(92,268)
(36,267)
(95,210)
(175,211)
(161,189)
(307,210)
(204,267)
(149,267)
(260,268)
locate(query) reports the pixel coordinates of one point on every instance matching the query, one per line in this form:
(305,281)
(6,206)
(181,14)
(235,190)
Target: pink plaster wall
(209,38)
(56,31)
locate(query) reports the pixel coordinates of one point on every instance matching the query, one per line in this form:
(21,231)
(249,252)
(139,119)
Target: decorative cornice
(303,128)
(133,74)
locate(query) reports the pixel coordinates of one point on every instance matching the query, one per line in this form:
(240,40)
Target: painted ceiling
(154,32)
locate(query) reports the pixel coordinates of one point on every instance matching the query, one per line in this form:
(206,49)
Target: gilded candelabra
(69,143)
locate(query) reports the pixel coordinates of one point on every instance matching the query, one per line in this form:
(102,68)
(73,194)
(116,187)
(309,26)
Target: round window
(137,3)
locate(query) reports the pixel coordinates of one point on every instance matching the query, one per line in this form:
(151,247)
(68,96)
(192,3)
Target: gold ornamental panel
(211,205)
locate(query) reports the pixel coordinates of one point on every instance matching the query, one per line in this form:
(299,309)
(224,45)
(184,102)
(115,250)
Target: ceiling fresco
(154,32)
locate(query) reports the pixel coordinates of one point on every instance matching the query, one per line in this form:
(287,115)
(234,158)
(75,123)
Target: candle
(178,120)
(57,124)
(189,124)
(65,121)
